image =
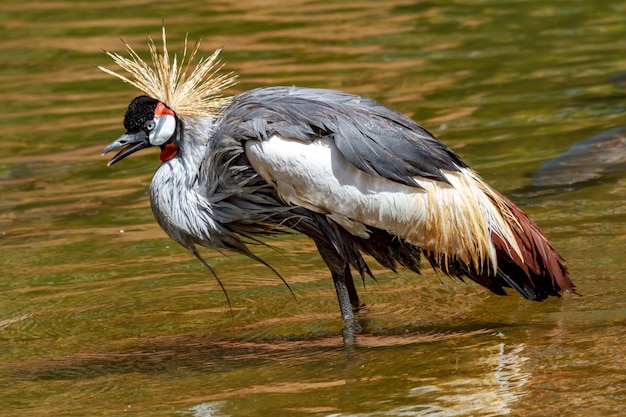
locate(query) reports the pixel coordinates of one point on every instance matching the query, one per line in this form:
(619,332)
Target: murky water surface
(101,314)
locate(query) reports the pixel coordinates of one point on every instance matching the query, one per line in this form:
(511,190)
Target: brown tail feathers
(542,272)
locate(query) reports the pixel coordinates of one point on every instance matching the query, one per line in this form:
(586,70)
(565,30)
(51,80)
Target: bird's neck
(194,134)
(174,193)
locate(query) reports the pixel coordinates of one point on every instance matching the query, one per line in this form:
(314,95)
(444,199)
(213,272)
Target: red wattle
(168,151)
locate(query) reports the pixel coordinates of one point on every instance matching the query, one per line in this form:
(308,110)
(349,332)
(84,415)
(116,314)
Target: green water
(101,314)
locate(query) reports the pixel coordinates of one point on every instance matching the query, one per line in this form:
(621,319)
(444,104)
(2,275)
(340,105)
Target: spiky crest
(188,91)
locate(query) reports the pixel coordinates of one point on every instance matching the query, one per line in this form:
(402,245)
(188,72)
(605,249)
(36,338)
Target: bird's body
(353,175)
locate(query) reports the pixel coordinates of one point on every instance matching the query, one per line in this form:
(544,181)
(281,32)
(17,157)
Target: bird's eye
(150,125)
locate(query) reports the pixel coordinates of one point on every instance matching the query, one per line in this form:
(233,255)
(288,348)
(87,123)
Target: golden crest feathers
(189,91)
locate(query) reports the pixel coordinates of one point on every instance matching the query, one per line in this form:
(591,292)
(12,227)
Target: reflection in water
(491,394)
(8,321)
(494,393)
(210,409)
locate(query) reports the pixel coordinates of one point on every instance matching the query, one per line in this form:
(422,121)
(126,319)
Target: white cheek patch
(165,127)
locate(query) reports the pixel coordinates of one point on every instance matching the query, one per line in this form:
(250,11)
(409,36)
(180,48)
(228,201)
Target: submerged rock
(586,160)
(618,80)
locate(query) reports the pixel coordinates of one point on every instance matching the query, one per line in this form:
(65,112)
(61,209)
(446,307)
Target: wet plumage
(353,175)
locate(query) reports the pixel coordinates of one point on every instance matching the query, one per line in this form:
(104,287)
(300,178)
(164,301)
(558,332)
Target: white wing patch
(452,220)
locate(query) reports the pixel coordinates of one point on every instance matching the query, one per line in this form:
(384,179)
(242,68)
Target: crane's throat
(168,151)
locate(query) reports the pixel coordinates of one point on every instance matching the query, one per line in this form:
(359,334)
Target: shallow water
(101,314)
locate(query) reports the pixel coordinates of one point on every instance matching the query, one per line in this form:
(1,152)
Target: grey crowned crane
(353,175)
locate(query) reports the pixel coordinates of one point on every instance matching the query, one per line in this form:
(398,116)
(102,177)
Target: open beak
(133,142)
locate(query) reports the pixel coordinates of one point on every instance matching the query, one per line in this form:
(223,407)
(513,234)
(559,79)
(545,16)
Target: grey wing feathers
(370,136)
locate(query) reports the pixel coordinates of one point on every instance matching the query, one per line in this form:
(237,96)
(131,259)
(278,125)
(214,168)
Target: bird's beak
(133,142)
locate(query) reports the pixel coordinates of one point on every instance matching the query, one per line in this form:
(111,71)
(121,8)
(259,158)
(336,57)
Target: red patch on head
(161,109)
(168,151)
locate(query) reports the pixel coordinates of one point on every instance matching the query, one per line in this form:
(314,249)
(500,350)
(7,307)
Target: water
(101,314)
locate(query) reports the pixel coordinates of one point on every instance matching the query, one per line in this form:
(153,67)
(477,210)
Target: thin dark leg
(354,297)
(351,327)
(346,292)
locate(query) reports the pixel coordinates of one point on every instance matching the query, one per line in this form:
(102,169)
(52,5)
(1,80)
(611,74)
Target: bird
(355,176)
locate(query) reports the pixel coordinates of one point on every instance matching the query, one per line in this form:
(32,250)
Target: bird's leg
(344,286)
(354,297)
(348,298)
